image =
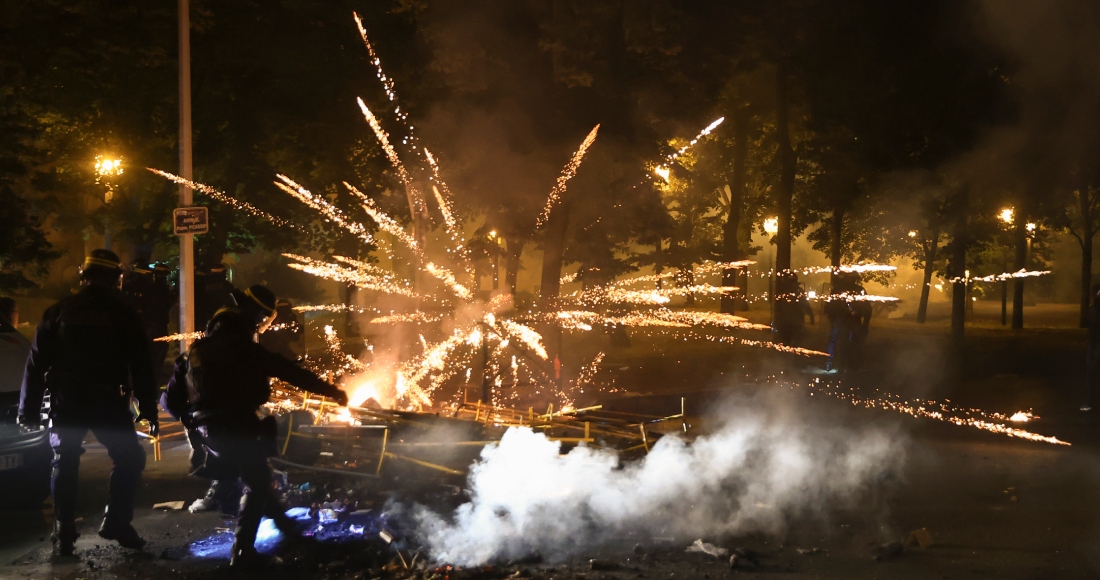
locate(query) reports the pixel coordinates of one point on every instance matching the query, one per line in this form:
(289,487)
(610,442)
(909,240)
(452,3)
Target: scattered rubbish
(603,565)
(888,551)
(743,558)
(169,505)
(920,538)
(710,549)
(327,516)
(809,551)
(386,536)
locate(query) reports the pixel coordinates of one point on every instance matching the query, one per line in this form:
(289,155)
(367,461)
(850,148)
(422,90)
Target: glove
(29,422)
(154,423)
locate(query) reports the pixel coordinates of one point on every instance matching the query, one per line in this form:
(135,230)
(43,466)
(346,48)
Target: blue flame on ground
(352,526)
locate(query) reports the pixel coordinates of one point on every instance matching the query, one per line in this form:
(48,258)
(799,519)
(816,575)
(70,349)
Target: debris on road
(169,505)
(921,537)
(743,558)
(701,546)
(888,551)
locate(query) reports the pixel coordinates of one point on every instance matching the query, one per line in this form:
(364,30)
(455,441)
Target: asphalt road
(993,506)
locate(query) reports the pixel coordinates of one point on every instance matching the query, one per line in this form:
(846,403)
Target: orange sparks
(566,174)
(230,201)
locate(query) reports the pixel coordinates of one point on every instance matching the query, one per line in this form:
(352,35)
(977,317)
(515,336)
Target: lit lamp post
(771,227)
(106,169)
(1006,216)
(496,258)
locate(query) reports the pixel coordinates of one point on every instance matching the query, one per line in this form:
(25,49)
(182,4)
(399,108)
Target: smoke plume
(766,463)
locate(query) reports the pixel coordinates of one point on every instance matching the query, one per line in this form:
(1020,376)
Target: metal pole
(486,383)
(187,247)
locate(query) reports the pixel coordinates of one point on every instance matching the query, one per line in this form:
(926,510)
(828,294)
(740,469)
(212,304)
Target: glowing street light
(912,233)
(1030,228)
(662,172)
(771,226)
(107,166)
(1007,215)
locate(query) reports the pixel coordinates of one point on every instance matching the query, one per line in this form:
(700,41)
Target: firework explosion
(491,334)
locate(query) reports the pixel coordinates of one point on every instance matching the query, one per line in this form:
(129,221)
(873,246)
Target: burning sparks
(449,280)
(706,131)
(417,317)
(322,206)
(975,418)
(531,339)
(1021,273)
(227,200)
(416,200)
(356,276)
(181,336)
(566,174)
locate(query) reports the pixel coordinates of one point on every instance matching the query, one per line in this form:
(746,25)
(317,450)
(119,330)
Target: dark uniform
(218,389)
(791,308)
(92,354)
(285,335)
(212,291)
(161,300)
(843,322)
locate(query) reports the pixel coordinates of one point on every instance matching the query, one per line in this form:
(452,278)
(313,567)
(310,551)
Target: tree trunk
(931,246)
(836,241)
(1021,263)
(351,315)
(1086,281)
(785,191)
(659,261)
(1087,232)
(511,266)
(731,250)
(957,266)
(689,299)
(552,255)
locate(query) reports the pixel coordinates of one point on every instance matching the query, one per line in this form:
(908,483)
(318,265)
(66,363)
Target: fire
(362,388)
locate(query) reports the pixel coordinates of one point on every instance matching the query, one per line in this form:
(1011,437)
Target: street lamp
(496,258)
(771,227)
(106,169)
(1007,215)
(662,172)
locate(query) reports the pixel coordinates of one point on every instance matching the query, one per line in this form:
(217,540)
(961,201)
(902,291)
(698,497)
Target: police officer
(791,308)
(285,335)
(91,352)
(219,387)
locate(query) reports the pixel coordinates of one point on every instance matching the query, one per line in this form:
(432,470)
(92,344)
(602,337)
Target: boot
(64,538)
(124,534)
(208,502)
(245,557)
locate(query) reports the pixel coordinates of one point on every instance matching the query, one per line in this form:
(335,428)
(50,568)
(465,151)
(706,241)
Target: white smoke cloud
(765,463)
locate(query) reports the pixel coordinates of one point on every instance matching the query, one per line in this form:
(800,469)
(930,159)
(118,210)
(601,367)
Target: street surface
(993,506)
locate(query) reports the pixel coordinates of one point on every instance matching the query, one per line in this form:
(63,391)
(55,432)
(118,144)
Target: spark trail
(567,173)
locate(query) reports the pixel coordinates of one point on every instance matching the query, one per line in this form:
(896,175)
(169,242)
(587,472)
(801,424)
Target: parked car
(24,455)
